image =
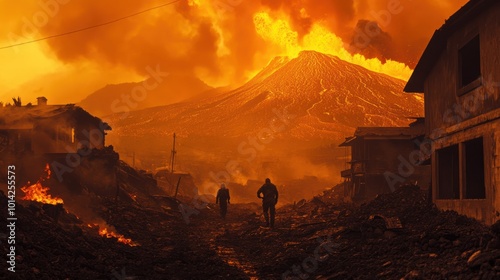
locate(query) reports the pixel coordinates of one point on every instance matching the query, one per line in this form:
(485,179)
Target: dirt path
(193,250)
(207,233)
(242,258)
(313,240)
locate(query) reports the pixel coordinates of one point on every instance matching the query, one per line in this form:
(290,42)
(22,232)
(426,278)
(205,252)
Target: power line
(89,27)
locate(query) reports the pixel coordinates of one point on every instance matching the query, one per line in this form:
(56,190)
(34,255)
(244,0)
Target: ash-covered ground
(396,236)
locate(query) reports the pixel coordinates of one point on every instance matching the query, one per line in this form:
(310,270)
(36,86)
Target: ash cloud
(218,43)
(394,18)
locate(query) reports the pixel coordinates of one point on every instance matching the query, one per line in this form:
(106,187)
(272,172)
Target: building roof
(415,129)
(439,40)
(383,131)
(24,117)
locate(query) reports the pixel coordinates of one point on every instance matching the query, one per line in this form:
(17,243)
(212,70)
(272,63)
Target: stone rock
(412,275)
(443,240)
(479,257)
(473,257)
(389,234)
(432,243)
(495,228)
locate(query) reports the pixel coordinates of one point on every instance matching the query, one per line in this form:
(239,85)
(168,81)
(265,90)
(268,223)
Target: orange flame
(37,192)
(110,234)
(279,32)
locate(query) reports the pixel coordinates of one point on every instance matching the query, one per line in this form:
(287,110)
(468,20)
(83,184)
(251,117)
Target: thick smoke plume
(216,40)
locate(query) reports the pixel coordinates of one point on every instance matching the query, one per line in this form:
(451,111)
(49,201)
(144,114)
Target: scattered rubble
(138,234)
(396,236)
(427,244)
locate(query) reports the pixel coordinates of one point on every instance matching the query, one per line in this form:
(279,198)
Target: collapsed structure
(458,73)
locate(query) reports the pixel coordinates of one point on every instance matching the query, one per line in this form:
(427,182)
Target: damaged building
(49,129)
(378,156)
(66,137)
(458,73)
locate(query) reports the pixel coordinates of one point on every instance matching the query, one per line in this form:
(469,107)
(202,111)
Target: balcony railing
(359,167)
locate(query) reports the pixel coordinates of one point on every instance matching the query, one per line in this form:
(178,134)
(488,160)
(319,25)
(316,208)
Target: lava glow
(37,192)
(110,234)
(279,33)
(105,232)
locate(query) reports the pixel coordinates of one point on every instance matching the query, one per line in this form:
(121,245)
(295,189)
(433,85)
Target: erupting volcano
(327,96)
(257,139)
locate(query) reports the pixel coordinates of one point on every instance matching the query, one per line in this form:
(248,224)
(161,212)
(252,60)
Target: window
(62,134)
(469,65)
(470,163)
(474,169)
(447,175)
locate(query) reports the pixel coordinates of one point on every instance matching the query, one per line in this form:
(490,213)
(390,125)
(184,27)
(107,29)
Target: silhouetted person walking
(223,200)
(269,200)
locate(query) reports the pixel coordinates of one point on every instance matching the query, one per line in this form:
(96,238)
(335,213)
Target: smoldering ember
(268,139)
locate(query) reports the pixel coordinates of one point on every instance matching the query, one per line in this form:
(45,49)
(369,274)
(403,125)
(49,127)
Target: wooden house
(460,78)
(382,158)
(49,129)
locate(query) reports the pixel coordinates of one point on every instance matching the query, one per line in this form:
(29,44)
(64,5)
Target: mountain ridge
(328,96)
(119,98)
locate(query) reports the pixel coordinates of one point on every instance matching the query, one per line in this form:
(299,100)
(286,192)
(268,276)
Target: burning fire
(37,192)
(279,32)
(109,234)
(105,232)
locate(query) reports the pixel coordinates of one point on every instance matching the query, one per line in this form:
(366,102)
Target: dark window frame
(464,164)
(469,53)
(448,159)
(473,162)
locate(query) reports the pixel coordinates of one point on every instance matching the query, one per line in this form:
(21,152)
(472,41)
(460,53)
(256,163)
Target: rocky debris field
(395,236)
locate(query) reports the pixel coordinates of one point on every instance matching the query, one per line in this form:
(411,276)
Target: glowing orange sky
(221,42)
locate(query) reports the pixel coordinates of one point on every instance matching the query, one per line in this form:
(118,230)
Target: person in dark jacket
(269,200)
(222,199)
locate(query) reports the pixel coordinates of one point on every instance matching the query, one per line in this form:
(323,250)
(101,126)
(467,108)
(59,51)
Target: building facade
(383,158)
(460,77)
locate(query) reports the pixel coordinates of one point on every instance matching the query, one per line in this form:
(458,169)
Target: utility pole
(177,188)
(173,156)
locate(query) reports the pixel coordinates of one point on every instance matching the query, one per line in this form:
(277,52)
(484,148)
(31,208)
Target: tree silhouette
(17,102)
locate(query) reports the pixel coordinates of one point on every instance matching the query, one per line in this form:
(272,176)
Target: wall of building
(488,209)
(443,106)
(52,137)
(382,156)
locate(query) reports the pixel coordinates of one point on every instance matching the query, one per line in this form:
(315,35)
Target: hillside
(126,97)
(327,98)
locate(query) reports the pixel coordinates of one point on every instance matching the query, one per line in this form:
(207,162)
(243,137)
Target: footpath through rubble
(396,236)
